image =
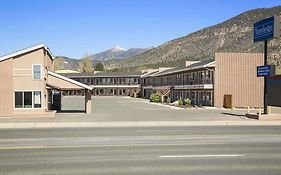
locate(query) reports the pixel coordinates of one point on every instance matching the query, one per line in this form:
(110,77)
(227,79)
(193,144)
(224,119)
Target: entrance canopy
(59,82)
(63,83)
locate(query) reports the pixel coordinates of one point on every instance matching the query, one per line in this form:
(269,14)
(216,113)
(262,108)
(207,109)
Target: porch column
(88,102)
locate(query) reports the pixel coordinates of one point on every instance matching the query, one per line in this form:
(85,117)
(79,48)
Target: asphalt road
(152,150)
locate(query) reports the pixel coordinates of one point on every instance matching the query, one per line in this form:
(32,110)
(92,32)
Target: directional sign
(267,29)
(263,71)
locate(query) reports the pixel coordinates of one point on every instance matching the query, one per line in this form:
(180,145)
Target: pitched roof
(201,64)
(23,51)
(70,80)
(149,74)
(118,74)
(66,71)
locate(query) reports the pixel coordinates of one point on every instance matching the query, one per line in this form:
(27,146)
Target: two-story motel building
(108,83)
(194,81)
(208,83)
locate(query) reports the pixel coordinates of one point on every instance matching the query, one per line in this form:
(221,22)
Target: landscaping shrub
(180,101)
(155,98)
(187,102)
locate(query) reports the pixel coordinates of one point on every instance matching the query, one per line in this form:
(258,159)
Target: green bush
(187,102)
(155,98)
(180,101)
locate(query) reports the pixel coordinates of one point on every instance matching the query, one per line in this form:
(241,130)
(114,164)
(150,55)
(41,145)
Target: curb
(33,125)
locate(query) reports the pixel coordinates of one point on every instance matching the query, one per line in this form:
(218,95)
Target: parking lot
(112,109)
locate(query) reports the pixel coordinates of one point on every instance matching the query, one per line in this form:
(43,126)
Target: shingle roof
(198,65)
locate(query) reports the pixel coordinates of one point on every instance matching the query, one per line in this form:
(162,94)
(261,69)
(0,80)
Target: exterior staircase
(167,93)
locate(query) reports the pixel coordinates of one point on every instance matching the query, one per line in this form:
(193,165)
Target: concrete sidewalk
(32,125)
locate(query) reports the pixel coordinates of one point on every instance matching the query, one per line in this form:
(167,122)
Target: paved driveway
(112,109)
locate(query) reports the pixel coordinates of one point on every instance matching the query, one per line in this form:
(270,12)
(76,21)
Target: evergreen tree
(99,67)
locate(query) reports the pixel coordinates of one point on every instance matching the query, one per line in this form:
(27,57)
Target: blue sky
(75,27)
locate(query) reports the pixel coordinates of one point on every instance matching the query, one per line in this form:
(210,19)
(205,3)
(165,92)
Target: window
(37,99)
(37,72)
(27,99)
(18,100)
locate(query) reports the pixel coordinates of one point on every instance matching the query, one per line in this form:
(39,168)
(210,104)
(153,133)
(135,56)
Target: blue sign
(263,71)
(264,29)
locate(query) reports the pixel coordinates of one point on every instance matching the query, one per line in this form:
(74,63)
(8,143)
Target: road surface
(150,150)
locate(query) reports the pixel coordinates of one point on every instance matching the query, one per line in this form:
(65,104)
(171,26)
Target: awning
(60,82)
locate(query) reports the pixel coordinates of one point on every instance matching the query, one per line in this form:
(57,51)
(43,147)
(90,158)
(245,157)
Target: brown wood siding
(6,88)
(235,74)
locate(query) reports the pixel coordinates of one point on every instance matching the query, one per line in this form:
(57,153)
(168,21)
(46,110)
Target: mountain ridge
(116,53)
(107,56)
(232,35)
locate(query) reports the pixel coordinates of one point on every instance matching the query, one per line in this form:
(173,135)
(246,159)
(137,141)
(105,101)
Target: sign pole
(265,79)
(264,30)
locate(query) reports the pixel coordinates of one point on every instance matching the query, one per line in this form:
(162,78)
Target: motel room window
(37,72)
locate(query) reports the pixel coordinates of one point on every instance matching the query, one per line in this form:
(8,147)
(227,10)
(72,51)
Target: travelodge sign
(267,28)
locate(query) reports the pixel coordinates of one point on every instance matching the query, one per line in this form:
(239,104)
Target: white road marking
(202,156)
(98,146)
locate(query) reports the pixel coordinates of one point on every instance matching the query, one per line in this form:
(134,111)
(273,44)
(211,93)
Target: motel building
(193,81)
(107,83)
(30,87)
(28,84)
(229,80)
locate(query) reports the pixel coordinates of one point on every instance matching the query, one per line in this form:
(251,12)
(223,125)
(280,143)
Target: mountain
(63,62)
(107,57)
(233,35)
(116,53)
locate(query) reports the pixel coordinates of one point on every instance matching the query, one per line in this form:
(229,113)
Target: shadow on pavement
(72,111)
(232,114)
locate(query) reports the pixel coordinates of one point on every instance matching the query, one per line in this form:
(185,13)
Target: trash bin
(227,101)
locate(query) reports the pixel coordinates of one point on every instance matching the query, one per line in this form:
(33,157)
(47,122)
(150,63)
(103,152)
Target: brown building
(27,83)
(236,76)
